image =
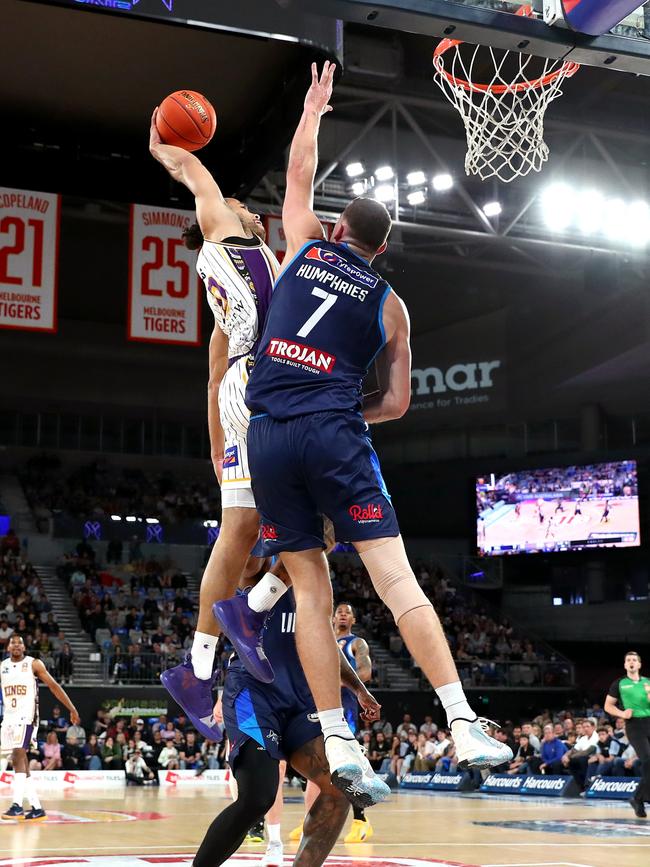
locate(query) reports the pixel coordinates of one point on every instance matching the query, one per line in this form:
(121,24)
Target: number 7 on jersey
(329,300)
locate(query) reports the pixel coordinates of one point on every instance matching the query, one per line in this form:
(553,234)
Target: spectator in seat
(72,755)
(406,725)
(58,722)
(76,732)
(575,760)
(409,752)
(378,751)
(111,754)
(190,757)
(424,760)
(34,758)
(92,754)
(627,764)
(447,764)
(52,760)
(168,758)
(428,727)
(526,752)
(65,663)
(137,770)
(527,729)
(552,749)
(601,764)
(6,632)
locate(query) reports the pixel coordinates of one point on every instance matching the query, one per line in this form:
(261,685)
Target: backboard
(494,22)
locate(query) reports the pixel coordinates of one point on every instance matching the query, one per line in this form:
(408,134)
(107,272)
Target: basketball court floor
(163,826)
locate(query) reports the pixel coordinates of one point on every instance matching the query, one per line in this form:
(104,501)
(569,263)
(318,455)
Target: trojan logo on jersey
(370,514)
(231,457)
(299,354)
(336,261)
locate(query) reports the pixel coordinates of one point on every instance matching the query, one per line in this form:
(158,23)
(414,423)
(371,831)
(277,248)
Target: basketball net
(503,118)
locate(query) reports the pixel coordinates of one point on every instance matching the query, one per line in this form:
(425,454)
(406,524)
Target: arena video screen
(558,509)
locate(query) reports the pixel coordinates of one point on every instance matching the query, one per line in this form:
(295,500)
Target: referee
(629,698)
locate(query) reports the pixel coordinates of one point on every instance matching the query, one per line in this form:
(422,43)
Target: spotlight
(384,193)
(384,173)
(590,211)
(442,182)
(415,179)
(152,520)
(492,209)
(417,197)
(211,523)
(116,517)
(131,519)
(358,188)
(558,206)
(638,224)
(354,169)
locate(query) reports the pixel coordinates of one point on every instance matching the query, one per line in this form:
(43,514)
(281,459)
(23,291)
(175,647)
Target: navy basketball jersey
(323,330)
(280,648)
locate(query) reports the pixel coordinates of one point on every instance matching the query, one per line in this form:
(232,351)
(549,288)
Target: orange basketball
(186,119)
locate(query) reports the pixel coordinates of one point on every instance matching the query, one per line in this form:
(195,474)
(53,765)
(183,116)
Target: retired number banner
(29,244)
(164,288)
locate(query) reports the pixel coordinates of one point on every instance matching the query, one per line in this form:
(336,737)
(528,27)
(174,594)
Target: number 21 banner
(29,243)
(164,288)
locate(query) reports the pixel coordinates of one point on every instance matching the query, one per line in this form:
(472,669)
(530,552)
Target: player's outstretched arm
(215,218)
(393,366)
(371,709)
(218,365)
(57,691)
(361,653)
(299,222)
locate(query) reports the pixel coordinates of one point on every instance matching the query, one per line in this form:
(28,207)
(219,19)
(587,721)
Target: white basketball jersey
(19,689)
(239,280)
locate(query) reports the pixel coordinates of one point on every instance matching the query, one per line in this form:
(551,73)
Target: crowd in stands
(100,489)
(562,743)
(141,613)
(140,748)
(25,608)
(481,642)
(583,746)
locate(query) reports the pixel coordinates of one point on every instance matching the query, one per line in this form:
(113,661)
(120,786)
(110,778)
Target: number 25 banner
(29,243)
(164,288)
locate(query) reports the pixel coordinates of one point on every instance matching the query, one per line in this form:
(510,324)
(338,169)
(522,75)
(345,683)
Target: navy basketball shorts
(313,465)
(279,723)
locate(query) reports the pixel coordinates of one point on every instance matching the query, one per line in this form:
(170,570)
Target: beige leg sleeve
(393,578)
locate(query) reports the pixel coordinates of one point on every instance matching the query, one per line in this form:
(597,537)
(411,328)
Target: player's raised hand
(320,91)
(75,719)
(154,135)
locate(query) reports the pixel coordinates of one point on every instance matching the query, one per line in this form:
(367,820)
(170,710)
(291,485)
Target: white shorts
(235,416)
(17,733)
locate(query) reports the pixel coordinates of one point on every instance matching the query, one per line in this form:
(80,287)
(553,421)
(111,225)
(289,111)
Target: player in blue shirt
(267,723)
(331,317)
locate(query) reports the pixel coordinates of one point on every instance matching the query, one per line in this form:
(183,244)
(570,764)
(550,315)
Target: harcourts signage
(504,783)
(435,781)
(613,787)
(550,786)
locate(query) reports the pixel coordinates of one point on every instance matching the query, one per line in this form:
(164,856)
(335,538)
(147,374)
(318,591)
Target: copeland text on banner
(29,244)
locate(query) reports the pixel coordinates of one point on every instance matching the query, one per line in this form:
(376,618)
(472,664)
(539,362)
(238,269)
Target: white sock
(274,833)
(266,593)
(203,648)
(31,793)
(333,722)
(19,788)
(454,701)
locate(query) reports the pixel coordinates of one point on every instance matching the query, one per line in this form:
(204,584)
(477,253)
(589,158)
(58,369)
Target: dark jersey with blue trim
(280,648)
(323,330)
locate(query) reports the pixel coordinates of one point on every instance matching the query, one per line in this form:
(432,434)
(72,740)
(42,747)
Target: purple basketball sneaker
(194,696)
(244,628)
